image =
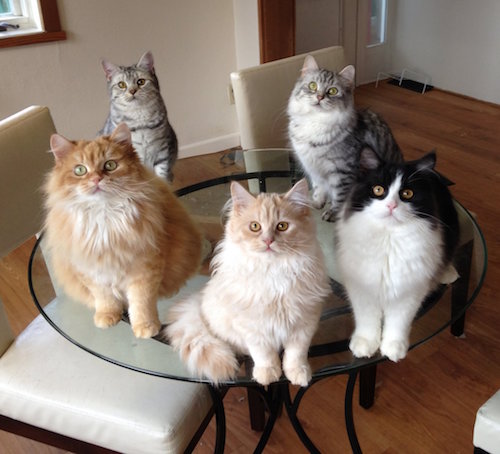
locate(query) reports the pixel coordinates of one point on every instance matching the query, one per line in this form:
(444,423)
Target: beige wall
(196,46)
(194,49)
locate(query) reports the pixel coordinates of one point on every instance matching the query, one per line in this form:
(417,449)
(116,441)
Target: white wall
(246,30)
(456,42)
(194,49)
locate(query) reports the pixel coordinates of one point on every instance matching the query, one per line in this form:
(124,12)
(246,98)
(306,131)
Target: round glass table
(270,170)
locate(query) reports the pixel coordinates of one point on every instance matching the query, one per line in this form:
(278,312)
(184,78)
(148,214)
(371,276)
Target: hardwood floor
(427,402)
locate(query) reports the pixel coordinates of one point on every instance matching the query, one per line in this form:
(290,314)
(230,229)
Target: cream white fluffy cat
(265,293)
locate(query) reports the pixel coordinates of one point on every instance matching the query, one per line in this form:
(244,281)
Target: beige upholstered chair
(261,97)
(487,426)
(50,390)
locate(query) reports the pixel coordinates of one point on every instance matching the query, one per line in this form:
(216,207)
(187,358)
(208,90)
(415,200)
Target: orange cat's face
(271,223)
(95,170)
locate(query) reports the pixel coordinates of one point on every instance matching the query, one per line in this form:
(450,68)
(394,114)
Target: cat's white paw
(449,275)
(318,199)
(300,375)
(361,347)
(394,349)
(106,319)
(147,329)
(266,374)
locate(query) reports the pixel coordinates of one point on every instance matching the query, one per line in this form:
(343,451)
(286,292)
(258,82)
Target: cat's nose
(132,91)
(320,97)
(392,206)
(96,179)
(268,241)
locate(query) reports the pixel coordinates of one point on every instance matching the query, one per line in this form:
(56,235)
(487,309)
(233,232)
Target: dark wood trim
(50,438)
(35,38)
(51,24)
(276,29)
(50,14)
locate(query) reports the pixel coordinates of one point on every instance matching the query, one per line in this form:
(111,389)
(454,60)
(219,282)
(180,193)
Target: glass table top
(271,171)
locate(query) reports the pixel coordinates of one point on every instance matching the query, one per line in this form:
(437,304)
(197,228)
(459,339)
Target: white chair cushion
(487,426)
(50,383)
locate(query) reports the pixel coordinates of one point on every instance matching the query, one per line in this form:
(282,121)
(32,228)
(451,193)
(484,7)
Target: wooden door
(276,29)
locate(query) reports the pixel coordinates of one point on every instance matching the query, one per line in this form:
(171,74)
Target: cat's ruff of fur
(257,301)
(118,238)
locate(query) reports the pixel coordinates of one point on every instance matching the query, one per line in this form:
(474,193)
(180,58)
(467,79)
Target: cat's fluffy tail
(204,354)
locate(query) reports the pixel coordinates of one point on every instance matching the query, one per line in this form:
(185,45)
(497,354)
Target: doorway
(362,27)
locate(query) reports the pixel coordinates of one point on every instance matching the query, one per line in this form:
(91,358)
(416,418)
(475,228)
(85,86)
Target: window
(29,21)
(378,12)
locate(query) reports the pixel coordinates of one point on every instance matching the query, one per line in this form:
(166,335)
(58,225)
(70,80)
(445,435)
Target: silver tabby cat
(136,100)
(327,133)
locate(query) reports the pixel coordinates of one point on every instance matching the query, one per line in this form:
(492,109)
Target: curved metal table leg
(292,408)
(273,399)
(220,419)
(349,420)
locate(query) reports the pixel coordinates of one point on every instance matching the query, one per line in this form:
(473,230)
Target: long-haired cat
(135,99)
(117,235)
(327,133)
(396,236)
(265,293)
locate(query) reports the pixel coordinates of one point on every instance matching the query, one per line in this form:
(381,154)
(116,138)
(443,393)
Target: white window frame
(27,15)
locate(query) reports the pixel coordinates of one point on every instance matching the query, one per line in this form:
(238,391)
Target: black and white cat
(396,235)
(327,133)
(135,99)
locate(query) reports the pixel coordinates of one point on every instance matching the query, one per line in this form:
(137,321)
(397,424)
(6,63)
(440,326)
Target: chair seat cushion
(48,382)
(487,426)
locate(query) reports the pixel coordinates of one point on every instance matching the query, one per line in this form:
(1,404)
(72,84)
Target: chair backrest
(24,161)
(261,96)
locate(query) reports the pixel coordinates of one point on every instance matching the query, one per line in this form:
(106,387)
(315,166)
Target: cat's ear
(309,65)
(348,74)
(121,134)
(146,62)
(240,196)
(109,68)
(368,160)
(60,146)
(299,194)
(427,162)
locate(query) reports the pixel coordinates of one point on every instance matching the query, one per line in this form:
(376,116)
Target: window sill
(33,38)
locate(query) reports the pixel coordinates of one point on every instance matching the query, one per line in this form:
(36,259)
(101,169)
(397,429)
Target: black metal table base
(274,397)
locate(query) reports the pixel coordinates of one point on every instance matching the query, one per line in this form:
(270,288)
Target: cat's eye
(141,82)
(255,226)
(313,86)
(407,194)
(332,91)
(378,190)
(122,85)
(110,165)
(80,170)
(282,226)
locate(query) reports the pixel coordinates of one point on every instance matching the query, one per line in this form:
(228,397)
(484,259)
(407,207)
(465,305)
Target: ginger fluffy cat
(117,235)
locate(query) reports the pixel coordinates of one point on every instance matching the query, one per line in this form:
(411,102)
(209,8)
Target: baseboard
(210,146)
